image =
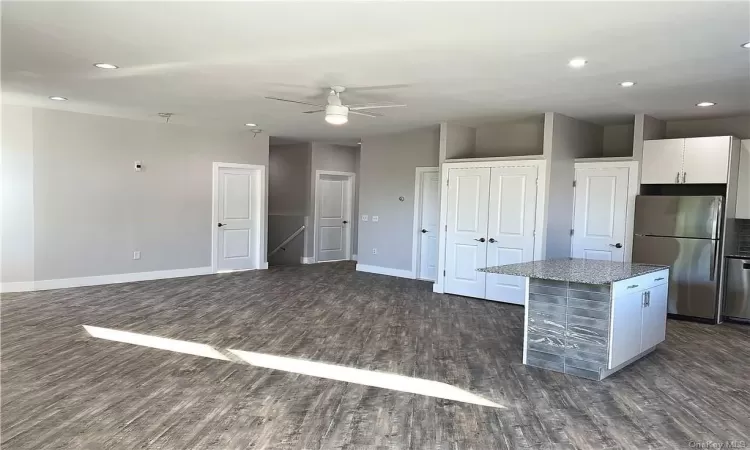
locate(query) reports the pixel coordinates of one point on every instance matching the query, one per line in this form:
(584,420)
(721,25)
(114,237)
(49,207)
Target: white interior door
(466,244)
(333,198)
(510,235)
(429,221)
(236,225)
(600,217)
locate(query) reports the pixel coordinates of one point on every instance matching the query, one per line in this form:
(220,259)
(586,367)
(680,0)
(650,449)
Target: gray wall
(92,210)
(570,139)
(339,158)
(517,138)
(17,232)
(617,140)
(738,126)
(289,179)
(387,171)
(460,141)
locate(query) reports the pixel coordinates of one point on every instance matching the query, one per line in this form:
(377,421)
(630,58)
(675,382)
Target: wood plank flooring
(62,388)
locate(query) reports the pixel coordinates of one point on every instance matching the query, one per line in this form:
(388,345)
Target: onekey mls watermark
(717,444)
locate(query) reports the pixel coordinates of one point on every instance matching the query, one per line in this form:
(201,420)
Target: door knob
(424,231)
(618,245)
(345,221)
(480,239)
(221,224)
(492,240)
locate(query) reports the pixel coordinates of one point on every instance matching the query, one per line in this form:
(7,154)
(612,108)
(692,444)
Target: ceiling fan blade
(374,106)
(368,114)
(313,111)
(295,101)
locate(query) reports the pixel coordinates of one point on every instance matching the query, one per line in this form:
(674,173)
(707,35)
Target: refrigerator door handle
(714,261)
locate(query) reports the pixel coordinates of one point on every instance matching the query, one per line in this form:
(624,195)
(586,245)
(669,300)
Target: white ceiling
(212,63)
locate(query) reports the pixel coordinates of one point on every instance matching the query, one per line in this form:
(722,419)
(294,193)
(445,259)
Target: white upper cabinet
(687,161)
(706,160)
(662,161)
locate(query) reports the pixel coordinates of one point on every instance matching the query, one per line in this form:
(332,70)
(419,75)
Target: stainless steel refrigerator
(683,232)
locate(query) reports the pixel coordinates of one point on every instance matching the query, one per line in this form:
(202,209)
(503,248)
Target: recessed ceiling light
(627,84)
(251,125)
(705,104)
(577,62)
(746,45)
(58,98)
(106,66)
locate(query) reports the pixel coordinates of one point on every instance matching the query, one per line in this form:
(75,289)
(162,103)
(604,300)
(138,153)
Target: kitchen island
(590,318)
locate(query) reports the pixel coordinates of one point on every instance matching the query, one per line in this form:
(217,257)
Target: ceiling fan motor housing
(337,114)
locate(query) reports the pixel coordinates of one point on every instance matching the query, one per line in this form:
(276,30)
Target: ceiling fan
(337,113)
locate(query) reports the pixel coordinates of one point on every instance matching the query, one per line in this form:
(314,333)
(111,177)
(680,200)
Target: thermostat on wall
(138,166)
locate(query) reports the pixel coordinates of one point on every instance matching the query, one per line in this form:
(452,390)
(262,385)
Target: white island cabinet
(591,318)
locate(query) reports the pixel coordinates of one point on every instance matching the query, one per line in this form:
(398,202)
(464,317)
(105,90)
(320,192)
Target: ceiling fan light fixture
(337,114)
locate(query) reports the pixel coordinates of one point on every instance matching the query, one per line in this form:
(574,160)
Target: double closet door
(491,216)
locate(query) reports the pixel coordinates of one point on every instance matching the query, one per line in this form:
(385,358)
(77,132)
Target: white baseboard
(108,279)
(17,286)
(264,265)
(307,260)
(386,271)
(354,257)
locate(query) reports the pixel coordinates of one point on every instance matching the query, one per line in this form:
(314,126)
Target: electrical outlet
(364,217)
(374,251)
(375,218)
(137,254)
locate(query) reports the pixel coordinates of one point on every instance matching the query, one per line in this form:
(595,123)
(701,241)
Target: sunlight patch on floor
(328,371)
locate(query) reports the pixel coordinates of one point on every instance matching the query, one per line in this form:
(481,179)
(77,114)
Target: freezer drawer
(737,303)
(693,280)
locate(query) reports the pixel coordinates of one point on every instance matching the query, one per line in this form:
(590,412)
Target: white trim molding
(307,260)
(17,286)
(354,256)
(349,210)
(416,234)
(385,271)
(260,210)
(105,279)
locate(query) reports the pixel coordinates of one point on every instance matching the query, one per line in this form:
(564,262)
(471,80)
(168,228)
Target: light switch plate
(137,254)
(364,217)
(375,218)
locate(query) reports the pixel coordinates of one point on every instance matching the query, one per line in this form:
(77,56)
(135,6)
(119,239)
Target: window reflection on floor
(295,365)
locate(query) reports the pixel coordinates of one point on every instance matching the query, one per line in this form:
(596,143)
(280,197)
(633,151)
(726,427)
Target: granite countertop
(587,271)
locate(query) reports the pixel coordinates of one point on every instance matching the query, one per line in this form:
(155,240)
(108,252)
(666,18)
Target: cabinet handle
(643,300)
(648,298)
(632,286)
(677,179)
(659,279)
(684,177)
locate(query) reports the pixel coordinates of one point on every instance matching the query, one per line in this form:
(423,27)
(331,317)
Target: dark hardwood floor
(62,388)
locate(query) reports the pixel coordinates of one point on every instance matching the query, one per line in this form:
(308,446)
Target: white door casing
(601,213)
(333,221)
(238,221)
(466,244)
(427,221)
(510,230)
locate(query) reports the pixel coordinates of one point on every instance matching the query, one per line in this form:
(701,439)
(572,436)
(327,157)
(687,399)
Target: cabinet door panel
(662,161)
(655,317)
(743,184)
(626,327)
(706,160)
